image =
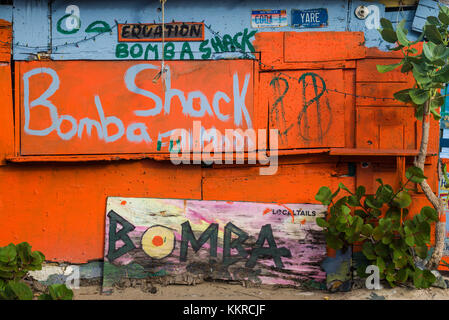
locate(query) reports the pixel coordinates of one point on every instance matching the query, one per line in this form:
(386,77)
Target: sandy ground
(224,291)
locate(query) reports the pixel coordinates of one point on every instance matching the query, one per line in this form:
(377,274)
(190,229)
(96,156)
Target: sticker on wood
(186,241)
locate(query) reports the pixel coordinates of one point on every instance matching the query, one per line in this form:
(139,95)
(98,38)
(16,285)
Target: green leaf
(368,250)
(406,67)
(418,278)
(20,289)
(353,201)
(419,96)
(442,75)
(415,174)
(443,17)
(44,296)
(429,278)
(324,195)
(430,213)
(334,242)
(382,249)
(387,238)
(432,33)
(387,68)
(342,186)
(8,253)
(435,114)
(427,50)
(403,95)
(433,20)
(421,251)
(410,240)
(424,228)
(322,223)
(403,199)
(386,24)
(381,264)
(401,34)
(60,292)
(345,210)
(360,192)
(389,35)
(403,275)
(367,230)
(24,252)
(373,203)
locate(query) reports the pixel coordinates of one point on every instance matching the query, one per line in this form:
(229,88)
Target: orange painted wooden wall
(59,206)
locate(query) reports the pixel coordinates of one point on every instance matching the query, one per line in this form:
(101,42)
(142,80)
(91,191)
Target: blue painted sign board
(310,18)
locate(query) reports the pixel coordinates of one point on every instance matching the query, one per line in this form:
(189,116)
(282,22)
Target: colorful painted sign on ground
(98,107)
(268,18)
(263,243)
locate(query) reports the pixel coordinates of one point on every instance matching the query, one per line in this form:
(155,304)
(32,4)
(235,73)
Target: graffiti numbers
(278,107)
(303,117)
(307,118)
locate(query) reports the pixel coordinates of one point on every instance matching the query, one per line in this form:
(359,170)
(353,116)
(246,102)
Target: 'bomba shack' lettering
(135,131)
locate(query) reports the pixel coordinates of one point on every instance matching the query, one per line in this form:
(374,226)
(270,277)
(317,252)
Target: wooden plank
(372,152)
(384,128)
(315,46)
(185,241)
(396,3)
(145,111)
(367,71)
(425,8)
(291,183)
(376,53)
(6,114)
(5,38)
(373,94)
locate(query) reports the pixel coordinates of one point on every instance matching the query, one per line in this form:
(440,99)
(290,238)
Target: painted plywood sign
(173,31)
(97,107)
(268,18)
(263,243)
(310,18)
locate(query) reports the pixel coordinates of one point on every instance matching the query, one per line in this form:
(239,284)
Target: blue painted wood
(31,26)
(425,8)
(227,17)
(231,18)
(372,36)
(6,12)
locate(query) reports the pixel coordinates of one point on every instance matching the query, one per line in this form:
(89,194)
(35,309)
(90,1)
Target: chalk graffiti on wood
(249,241)
(300,109)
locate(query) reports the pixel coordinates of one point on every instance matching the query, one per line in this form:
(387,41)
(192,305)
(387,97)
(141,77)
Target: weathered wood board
(263,243)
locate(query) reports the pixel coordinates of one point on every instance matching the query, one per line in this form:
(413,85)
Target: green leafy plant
(430,71)
(15,263)
(390,241)
(57,292)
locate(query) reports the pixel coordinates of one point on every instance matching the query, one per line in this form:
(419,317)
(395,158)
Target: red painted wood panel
(323,46)
(125,90)
(6,107)
(60,208)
